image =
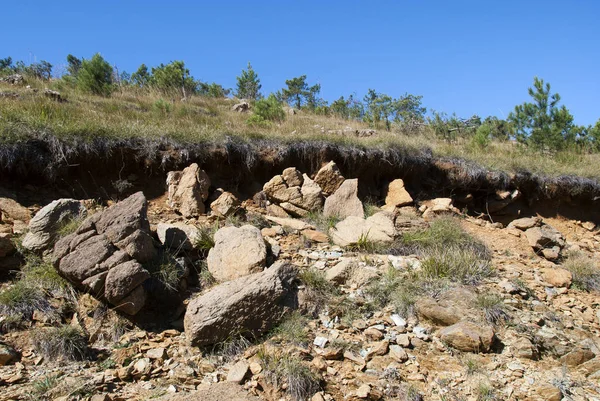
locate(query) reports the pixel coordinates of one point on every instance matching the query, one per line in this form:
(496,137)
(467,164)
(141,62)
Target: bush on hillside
(267,110)
(95,76)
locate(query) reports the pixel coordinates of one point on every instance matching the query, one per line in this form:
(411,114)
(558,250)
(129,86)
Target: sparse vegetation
(455,264)
(21,300)
(42,386)
(64,342)
(449,256)
(290,370)
(493,308)
(292,329)
(205,238)
(585,271)
(485,392)
(319,291)
(321,222)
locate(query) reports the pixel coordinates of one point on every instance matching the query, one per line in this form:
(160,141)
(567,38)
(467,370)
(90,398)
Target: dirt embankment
(104,168)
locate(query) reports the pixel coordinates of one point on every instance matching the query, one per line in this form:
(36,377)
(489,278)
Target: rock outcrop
(546,240)
(237,252)
(294,192)
(104,256)
(187,190)
(46,224)
(250,304)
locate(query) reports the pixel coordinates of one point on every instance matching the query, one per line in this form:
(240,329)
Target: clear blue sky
(468,57)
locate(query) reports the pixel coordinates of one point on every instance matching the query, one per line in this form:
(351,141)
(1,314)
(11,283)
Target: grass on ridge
(132,113)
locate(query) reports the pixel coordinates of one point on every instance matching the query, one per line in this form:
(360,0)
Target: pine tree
(299,93)
(248,85)
(543,124)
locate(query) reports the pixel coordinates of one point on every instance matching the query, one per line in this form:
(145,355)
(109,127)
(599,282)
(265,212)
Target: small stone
(363,391)
(255,368)
(403,340)
(398,320)
(238,372)
(320,341)
(557,277)
(373,334)
(157,353)
(398,353)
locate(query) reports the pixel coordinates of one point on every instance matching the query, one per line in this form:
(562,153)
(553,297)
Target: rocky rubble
(291,307)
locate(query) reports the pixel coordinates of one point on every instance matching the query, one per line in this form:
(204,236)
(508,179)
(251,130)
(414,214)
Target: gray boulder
(44,226)
(251,304)
(103,256)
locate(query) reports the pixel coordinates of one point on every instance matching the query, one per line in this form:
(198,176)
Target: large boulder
(187,190)
(250,304)
(329,178)
(237,252)
(45,225)
(397,195)
(344,201)
(103,256)
(353,229)
(467,336)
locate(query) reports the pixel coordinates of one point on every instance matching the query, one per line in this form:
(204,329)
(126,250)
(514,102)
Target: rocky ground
(303,292)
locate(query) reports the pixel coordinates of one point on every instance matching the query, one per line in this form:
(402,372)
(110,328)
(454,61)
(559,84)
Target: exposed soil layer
(113,168)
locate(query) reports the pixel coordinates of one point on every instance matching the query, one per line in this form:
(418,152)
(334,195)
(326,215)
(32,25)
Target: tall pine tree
(248,84)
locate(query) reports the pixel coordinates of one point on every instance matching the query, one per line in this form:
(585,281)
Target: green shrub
(162,106)
(481,139)
(266,110)
(586,274)
(64,342)
(95,76)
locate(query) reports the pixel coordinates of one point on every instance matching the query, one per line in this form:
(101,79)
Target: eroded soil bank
(37,170)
